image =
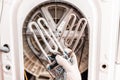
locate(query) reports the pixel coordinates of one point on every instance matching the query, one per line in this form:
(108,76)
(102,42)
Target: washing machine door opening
(69,27)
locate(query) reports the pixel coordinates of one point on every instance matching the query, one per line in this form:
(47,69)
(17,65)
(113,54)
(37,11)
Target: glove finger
(68,50)
(63,62)
(74,59)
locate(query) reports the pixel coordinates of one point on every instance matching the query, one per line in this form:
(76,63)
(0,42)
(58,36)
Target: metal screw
(8,67)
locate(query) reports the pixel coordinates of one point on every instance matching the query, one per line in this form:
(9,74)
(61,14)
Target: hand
(72,70)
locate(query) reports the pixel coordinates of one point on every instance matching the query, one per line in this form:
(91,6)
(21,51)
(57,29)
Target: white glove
(72,70)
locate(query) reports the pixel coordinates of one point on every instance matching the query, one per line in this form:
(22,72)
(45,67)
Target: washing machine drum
(67,23)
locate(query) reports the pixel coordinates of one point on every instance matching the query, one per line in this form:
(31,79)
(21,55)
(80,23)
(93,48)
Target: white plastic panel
(117,72)
(11,62)
(1,71)
(1,1)
(0,67)
(6,39)
(118,53)
(117,65)
(103,36)
(109,39)
(1,64)
(0,40)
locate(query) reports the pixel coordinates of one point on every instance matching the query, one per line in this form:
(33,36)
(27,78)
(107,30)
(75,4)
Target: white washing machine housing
(103,20)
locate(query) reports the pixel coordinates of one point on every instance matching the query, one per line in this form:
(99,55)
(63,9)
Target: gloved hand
(72,70)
